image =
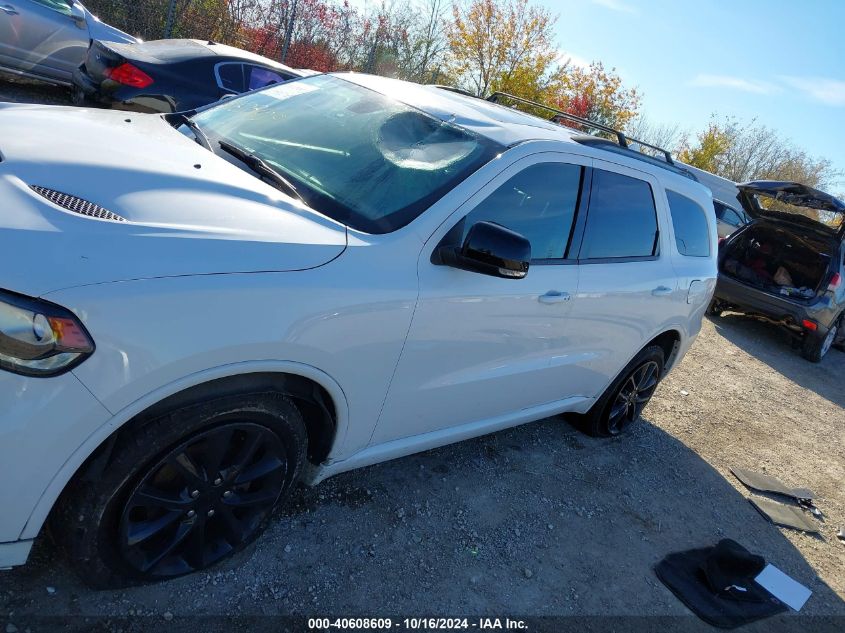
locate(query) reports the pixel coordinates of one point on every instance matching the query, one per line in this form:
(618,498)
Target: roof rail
(559,117)
(460,91)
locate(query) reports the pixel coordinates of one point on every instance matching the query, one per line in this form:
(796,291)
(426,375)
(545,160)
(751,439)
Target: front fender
(104,431)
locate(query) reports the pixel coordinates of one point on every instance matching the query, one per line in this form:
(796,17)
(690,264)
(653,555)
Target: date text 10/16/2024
(411,624)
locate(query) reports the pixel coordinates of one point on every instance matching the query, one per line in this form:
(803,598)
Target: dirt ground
(536,520)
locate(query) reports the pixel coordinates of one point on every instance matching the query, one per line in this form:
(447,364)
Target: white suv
(198,311)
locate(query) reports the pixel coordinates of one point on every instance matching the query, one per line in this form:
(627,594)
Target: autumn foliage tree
(742,151)
(595,93)
(501,45)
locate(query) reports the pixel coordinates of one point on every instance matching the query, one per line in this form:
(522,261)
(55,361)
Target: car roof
(181,50)
(724,191)
(225,50)
(509,126)
(499,123)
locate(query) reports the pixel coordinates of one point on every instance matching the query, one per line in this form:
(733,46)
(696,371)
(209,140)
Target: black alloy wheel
(622,403)
(202,500)
(181,488)
(632,396)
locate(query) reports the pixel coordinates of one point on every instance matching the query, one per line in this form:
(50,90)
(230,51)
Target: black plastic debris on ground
(776,512)
(784,515)
(717,584)
(767,483)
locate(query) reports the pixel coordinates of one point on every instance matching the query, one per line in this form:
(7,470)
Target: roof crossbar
(560,117)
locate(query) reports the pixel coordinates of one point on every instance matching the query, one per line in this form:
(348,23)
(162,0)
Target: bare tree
(664,135)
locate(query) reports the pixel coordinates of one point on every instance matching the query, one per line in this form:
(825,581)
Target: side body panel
(621,304)
(40,40)
(479,346)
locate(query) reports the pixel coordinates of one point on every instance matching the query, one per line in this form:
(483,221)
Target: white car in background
(730,215)
(199,311)
(48,39)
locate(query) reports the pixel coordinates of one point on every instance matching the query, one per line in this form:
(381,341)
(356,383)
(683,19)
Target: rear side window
(728,214)
(260,77)
(539,203)
(690,222)
(622,220)
(231,77)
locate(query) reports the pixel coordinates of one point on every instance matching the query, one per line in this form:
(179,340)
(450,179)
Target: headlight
(38,338)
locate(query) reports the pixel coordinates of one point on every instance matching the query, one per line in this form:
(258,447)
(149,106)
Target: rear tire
(181,492)
(622,403)
(839,341)
(814,348)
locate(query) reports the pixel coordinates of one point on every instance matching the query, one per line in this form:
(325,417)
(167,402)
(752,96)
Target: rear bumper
(118,97)
(790,314)
(82,81)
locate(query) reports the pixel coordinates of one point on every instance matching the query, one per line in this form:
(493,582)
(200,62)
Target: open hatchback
(786,266)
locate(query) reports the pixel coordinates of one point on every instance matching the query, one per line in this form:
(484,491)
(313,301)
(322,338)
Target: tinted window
(728,215)
(539,203)
(690,223)
(622,221)
(231,77)
(260,77)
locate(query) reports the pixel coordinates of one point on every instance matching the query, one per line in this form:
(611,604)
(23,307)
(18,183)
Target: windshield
(352,153)
(832,219)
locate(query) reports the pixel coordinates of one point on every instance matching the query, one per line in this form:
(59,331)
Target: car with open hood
(199,310)
(787,266)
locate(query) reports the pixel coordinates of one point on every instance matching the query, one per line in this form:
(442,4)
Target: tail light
(129,75)
(835,282)
(810,325)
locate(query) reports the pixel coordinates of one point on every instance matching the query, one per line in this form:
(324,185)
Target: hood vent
(76,205)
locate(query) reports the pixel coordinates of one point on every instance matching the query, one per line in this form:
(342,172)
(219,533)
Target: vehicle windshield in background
(831,219)
(353,154)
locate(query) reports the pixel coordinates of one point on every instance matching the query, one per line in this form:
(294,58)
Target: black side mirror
(489,249)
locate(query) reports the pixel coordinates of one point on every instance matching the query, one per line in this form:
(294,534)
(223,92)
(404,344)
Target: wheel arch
(322,401)
(670,342)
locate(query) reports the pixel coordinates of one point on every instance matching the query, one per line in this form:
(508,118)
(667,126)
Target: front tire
(622,403)
(182,492)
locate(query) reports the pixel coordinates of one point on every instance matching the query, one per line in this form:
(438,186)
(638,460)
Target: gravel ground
(20,90)
(536,520)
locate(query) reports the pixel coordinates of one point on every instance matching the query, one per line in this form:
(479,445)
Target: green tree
(501,45)
(709,149)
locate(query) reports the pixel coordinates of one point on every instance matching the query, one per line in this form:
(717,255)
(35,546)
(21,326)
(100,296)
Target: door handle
(553,296)
(662,291)
(9,10)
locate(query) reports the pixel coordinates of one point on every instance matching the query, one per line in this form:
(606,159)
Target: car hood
(795,194)
(175,208)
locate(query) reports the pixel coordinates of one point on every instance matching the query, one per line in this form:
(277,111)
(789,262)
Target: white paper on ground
(782,587)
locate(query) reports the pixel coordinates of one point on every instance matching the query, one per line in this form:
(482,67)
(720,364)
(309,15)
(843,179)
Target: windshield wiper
(188,122)
(262,169)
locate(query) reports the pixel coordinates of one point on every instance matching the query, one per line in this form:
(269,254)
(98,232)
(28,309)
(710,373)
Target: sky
(780,62)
